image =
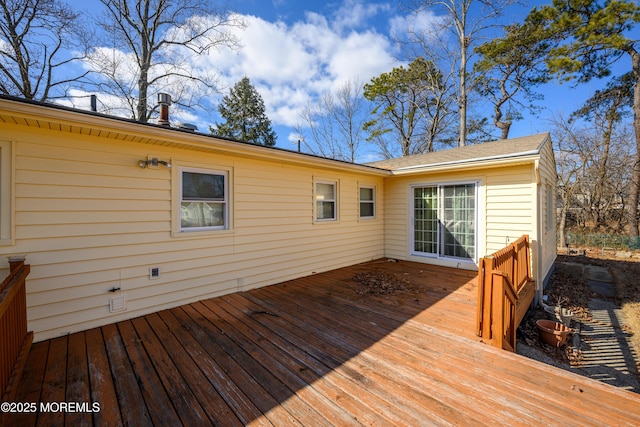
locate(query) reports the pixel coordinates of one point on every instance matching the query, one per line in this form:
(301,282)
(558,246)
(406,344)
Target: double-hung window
(204,197)
(326,200)
(367,203)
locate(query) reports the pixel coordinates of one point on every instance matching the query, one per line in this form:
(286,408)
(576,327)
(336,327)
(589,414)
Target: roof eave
(481,163)
(153,134)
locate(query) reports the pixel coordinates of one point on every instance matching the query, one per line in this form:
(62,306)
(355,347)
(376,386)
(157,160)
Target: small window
(203,200)
(326,201)
(367,202)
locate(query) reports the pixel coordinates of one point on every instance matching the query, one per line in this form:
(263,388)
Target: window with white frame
(367,202)
(444,220)
(326,200)
(204,199)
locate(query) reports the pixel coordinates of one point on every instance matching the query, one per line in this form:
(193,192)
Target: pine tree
(598,34)
(245,119)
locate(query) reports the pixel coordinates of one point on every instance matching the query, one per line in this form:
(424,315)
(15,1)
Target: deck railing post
(16,261)
(14,337)
(481,290)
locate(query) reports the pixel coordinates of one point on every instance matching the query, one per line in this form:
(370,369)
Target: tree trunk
(504,126)
(599,190)
(635,178)
(463,96)
(562,225)
(504,129)
(632,214)
(141,108)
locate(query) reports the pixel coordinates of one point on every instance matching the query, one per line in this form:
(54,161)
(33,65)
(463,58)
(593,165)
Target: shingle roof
(501,149)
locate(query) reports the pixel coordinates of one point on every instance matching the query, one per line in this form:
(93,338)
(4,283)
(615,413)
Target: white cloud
(361,55)
(291,63)
(423,23)
(356,13)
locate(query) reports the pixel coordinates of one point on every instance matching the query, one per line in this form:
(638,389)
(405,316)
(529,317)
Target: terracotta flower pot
(553,333)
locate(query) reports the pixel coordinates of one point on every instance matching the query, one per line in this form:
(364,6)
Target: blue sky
(295,50)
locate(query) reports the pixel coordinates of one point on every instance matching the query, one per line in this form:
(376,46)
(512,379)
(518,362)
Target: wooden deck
(311,352)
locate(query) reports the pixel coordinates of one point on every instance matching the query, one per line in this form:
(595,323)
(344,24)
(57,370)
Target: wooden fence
(505,292)
(15,339)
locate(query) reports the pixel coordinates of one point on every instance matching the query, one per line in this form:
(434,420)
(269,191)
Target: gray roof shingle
(501,149)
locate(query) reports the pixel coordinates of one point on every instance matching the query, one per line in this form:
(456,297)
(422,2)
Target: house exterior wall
(547,184)
(511,205)
(90,220)
(507,208)
(398,215)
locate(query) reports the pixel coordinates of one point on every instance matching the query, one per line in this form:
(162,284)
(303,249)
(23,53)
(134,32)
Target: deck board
(312,351)
(77,387)
(130,401)
(100,383)
(54,382)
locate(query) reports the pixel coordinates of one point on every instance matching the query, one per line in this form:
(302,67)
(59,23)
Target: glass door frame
(440,232)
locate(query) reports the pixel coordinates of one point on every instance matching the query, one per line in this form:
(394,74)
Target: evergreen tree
(245,119)
(511,68)
(412,108)
(598,34)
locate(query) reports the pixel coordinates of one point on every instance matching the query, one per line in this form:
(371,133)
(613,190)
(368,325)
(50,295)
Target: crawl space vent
(117,304)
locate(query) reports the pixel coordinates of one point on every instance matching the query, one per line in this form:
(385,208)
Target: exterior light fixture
(153,162)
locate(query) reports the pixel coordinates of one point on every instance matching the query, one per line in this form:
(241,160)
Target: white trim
(373,201)
(225,202)
(336,200)
(411,232)
(469,164)
(512,156)
(6,193)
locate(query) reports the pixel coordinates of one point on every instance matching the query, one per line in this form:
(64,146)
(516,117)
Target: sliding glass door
(444,220)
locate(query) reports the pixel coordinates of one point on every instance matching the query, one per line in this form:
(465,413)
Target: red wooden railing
(505,291)
(15,339)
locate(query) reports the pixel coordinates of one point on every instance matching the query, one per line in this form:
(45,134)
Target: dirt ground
(568,288)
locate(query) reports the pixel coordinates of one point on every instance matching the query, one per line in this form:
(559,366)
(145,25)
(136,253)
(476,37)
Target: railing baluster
(13,327)
(504,274)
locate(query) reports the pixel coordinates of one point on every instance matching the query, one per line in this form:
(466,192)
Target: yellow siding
(510,205)
(398,215)
(89,220)
(548,180)
(507,209)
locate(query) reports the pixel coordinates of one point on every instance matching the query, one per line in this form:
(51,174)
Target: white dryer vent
(117,303)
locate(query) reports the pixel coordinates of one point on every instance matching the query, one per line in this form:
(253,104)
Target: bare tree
(570,168)
(332,127)
(36,40)
(594,174)
(605,110)
(154,43)
(465,22)
(349,116)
